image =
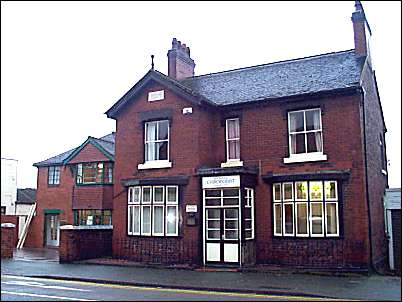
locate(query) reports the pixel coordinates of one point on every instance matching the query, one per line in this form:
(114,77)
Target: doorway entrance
(52,230)
(221,226)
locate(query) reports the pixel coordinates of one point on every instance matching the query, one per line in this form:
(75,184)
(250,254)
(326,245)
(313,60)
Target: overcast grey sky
(63,64)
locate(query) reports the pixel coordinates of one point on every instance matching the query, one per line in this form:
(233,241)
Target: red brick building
(280,163)
(75,187)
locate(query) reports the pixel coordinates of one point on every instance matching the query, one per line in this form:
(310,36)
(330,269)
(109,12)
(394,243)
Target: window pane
(234,149)
(213,213)
(99,174)
(163,128)
(231,213)
(161,151)
(330,190)
(215,234)
(332,218)
(313,120)
(158,194)
(171,219)
(248,224)
(158,219)
(288,191)
(288,215)
(278,218)
(301,190)
(233,129)
(136,219)
(301,219)
(316,209)
(230,201)
(130,220)
(212,193)
(316,190)
(213,202)
(79,173)
(214,224)
(297,143)
(230,192)
(296,121)
(146,194)
(232,234)
(277,192)
(314,142)
(146,220)
(150,131)
(150,151)
(247,213)
(171,194)
(231,224)
(316,227)
(248,234)
(136,194)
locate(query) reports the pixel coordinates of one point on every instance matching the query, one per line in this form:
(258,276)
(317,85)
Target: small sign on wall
(221,182)
(156,95)
(191,208)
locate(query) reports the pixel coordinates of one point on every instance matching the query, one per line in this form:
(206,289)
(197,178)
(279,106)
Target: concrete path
(373,287)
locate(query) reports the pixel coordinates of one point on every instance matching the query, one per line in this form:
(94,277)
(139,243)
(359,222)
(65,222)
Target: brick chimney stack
(180,64)
(361,31)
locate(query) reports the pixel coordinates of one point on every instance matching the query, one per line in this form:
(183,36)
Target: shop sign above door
(221,182)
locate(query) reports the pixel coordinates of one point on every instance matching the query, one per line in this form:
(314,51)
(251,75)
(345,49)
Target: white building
(8,185)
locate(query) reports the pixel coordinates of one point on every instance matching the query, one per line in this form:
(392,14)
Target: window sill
(157,164)
(232,163)
(297,158)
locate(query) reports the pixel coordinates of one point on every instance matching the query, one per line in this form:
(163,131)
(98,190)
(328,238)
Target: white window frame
(337,219)
(322,190)
(158,204)
(283,191)
(250,204)
(157,163)
(336,191)
(172,204)
(284,219)
(142,219)
(306,156)
(307,220)
(274,191)
(232,139)
(315,218)
(281,223)
(307,192)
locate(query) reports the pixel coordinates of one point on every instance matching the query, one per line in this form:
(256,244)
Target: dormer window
(305,136)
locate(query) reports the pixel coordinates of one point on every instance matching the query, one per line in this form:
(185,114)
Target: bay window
(95,173)
(153,211)
(306,209)
(305,136)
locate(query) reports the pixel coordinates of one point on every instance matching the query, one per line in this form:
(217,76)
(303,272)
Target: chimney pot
(180,64)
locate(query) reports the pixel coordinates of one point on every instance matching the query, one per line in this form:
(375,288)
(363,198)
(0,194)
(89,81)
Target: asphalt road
(17,288)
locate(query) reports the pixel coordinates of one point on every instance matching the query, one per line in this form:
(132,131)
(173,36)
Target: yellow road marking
(182,291)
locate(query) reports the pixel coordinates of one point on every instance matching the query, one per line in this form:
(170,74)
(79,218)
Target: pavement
(44,264)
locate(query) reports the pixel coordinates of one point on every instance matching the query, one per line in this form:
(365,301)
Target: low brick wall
(7,240)
(156,250)
(14,220)
(84,242)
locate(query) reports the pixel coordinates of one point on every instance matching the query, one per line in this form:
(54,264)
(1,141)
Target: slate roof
(313,74)
(26,196)
(107,142)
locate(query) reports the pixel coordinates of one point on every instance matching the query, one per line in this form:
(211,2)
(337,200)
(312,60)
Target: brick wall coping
(8,225)
(86,227)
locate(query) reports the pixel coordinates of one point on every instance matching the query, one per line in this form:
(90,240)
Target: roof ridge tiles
(265,64)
